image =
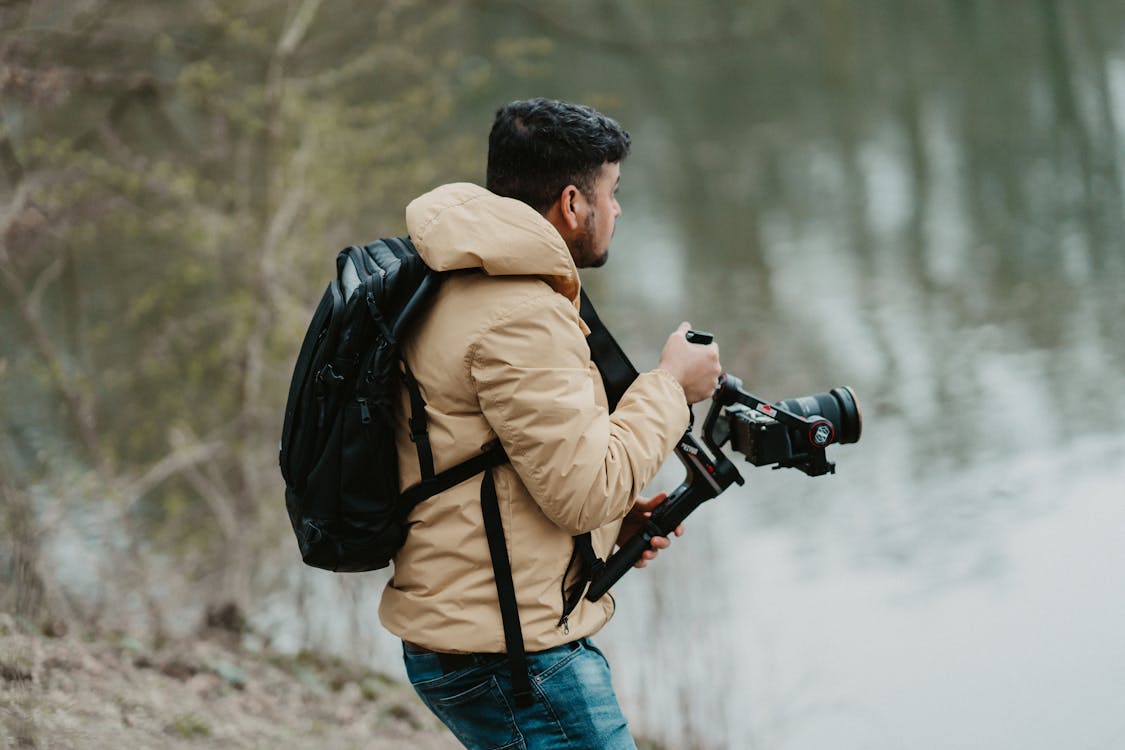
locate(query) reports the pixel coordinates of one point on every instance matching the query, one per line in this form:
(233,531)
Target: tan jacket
(503,354)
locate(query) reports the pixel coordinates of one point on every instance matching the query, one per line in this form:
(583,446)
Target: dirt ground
(208,692)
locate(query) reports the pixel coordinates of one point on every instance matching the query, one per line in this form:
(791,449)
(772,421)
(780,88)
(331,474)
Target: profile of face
(597,217)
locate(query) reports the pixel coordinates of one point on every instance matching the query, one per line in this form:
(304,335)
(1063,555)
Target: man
(502,355)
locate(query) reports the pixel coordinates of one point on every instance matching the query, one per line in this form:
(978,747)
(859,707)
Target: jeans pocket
(547,663)
(578,692)
(590,645)
(475,710)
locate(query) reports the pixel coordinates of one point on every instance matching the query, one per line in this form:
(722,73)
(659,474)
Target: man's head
(563,160)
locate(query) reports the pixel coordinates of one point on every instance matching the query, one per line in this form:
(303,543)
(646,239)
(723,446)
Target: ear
(569,206)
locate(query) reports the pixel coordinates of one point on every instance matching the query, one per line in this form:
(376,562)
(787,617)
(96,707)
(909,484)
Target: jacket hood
(463,226)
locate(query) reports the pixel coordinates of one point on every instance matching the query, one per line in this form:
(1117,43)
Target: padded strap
(616,370)
(506,592)
(493,455)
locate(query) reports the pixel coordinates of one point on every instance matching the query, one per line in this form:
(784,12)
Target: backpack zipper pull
(364,412)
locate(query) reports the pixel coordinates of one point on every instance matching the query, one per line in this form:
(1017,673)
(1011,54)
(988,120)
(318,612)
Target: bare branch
(46,278)
(220,502)
(281,221)
(299,26)
(15,208)
(78,403)
(179,460)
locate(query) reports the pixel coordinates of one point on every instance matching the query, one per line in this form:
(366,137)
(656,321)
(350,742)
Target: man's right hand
(695,366)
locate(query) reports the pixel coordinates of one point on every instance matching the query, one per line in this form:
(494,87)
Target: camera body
(789,434)
(761,439)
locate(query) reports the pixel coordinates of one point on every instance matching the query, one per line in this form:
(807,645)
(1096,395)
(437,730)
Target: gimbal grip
(663,522)
(619,564)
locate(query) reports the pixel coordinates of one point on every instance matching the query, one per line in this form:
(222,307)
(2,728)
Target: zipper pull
(364,412)
(566,624)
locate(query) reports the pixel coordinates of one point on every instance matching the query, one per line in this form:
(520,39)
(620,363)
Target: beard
(583,249)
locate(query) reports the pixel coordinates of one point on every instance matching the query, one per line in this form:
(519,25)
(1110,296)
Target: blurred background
(923,201)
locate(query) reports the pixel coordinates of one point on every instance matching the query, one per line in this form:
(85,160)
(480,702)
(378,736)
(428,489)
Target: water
(957,583)
(932,213)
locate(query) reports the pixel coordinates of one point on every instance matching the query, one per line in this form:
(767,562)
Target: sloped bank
(117,692)
(114,691)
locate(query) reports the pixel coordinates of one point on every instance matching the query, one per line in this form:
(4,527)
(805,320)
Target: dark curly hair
(539,146)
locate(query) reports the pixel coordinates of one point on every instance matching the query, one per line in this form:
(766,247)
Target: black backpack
(338,455)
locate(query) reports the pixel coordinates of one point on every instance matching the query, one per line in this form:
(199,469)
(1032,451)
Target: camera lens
(839,406)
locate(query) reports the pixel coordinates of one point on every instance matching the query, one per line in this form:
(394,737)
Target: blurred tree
(176,179)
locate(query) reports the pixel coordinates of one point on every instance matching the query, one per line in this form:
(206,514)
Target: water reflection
(926,205)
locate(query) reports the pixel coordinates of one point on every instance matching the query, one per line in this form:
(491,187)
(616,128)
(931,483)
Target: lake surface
(928,208)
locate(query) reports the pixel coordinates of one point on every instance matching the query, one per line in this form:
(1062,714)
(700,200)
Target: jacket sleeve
(582,465)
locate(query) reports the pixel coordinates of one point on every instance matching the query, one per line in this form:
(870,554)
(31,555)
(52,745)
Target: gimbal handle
(707,477)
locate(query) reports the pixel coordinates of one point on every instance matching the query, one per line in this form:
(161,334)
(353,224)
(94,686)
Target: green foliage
(181,176)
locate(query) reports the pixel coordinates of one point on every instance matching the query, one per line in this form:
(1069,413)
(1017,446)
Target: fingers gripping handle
(621,561)
(665,518)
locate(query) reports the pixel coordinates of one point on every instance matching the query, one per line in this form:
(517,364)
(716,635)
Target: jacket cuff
(677,388)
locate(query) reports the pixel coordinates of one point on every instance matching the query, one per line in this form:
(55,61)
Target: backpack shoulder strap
(493,455)
(616,370)
(418,424)
(618,373)
(505,592)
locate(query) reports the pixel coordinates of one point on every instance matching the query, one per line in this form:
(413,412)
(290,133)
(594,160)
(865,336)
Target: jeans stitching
(471,692)
(549,671)
(452,676)
(546,700)
(490,686)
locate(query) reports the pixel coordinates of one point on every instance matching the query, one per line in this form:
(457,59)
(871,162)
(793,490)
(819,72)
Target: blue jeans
(575,706)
